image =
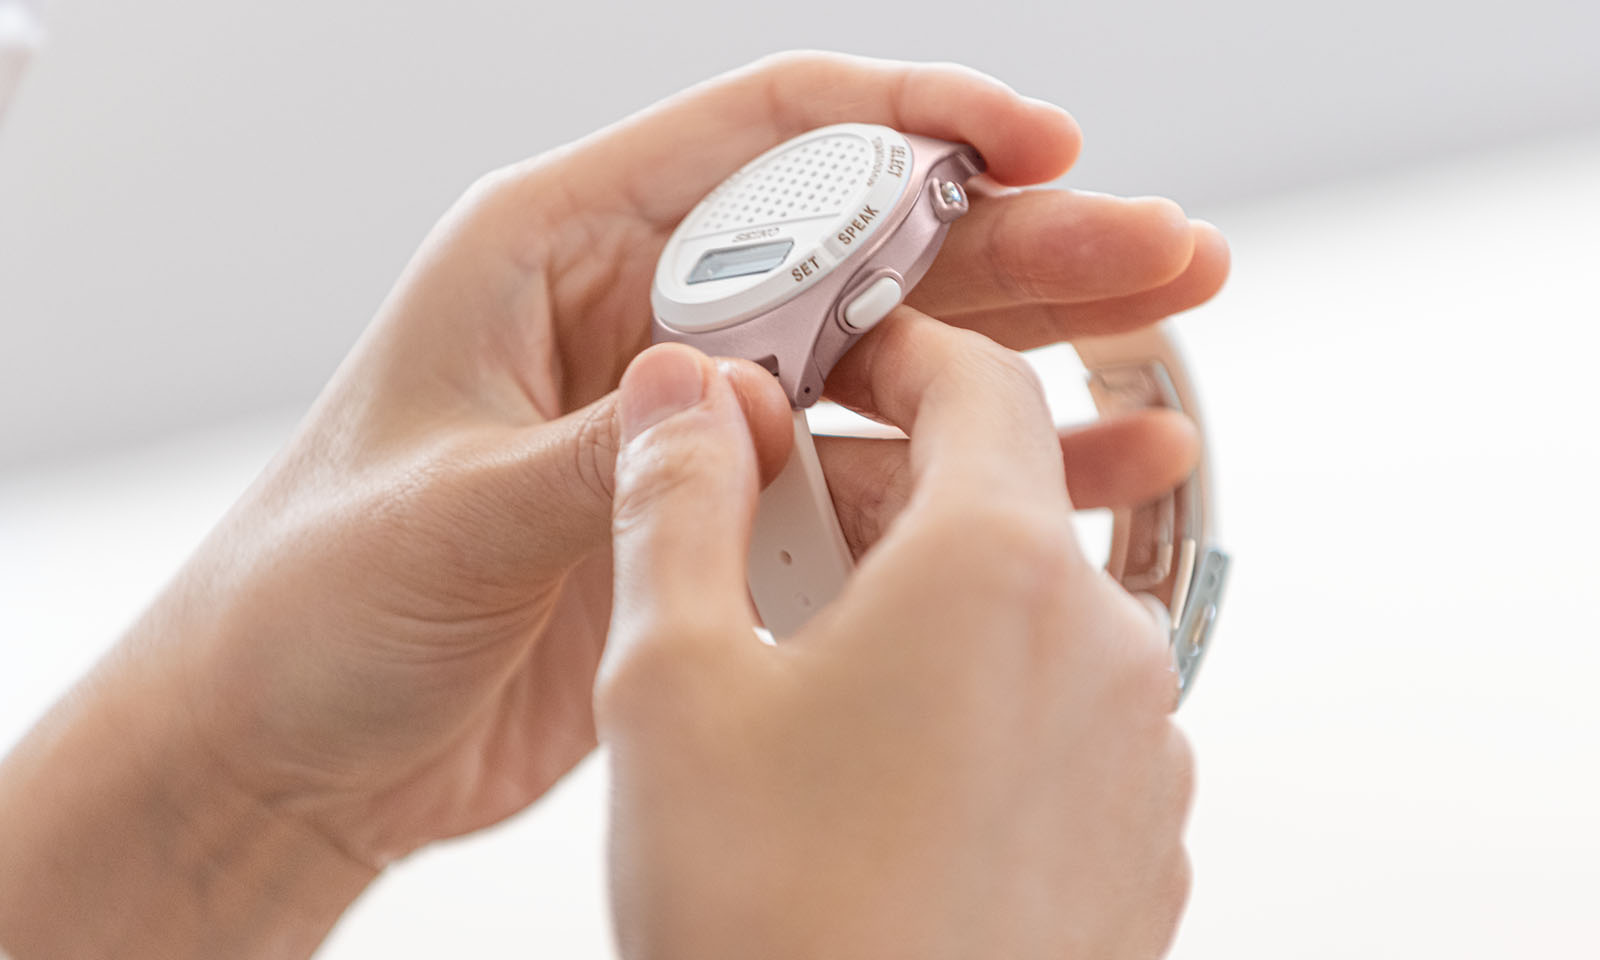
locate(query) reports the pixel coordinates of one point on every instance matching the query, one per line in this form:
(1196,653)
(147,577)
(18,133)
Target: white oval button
(872,304)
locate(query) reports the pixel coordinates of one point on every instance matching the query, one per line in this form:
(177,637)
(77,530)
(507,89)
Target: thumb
(551,485)
(686,486)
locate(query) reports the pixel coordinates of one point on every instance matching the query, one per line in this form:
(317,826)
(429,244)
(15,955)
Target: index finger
(975,411)
(667,157)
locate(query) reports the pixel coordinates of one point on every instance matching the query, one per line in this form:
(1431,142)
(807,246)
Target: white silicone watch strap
(798,558)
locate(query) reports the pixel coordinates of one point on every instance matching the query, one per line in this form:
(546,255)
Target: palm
(540,724)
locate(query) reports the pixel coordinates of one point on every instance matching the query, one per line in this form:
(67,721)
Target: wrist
(122,836)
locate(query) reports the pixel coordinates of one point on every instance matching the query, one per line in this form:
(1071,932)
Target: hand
(392,637)
(967,754)
(418,591)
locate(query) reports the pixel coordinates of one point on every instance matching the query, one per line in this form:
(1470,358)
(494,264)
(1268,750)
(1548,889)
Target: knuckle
(1002,259)
(491,193)
(780,64)
(595,453)
(1009,367)
(1021,553)
(486,186)
(491,207)
(778,74)
(955,69)
(626,689)
(973,357)
(647,474)
(1040,544)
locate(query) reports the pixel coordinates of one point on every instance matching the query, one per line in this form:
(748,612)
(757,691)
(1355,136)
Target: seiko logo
(755,234)
(858,225)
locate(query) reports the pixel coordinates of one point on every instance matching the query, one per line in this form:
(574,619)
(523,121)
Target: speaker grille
(816,178)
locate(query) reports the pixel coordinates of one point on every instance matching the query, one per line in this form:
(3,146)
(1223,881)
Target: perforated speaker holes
(813,179)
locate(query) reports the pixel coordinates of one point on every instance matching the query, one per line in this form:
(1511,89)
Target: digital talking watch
(791,259)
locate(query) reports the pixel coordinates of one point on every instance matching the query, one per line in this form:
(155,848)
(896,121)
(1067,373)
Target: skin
(967,754)
(393,637)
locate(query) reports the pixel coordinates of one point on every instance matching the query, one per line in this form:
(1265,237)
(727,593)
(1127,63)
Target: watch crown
(949,200)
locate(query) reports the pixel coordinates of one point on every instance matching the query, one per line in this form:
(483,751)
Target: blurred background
(201,205)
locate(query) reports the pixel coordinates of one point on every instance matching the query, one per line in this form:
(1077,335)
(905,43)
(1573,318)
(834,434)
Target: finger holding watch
(892,778)
(796,256)
(390,638)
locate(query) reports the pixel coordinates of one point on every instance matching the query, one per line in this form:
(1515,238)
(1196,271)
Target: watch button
(872,304)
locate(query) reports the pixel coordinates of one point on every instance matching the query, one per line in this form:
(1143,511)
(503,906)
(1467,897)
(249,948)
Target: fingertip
(1169,237)
(1033,141)
(1167,211)
(1165,448)
(661,359)
(1212,254)
(1179,436)
(665,379)
(1205,273)
(1129,459)
(766,412)
(1056,141)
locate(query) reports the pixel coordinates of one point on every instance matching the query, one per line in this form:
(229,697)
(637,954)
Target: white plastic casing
(834,226)
(862,210)
(828,192)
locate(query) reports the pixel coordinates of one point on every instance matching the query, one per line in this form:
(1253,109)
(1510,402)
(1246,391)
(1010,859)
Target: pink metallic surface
(802,339)
(1163,548)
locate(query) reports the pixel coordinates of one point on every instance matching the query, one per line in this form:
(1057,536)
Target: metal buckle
(1193,626)
(1160,547)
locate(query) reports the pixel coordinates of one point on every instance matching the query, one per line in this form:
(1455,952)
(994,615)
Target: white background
(200,205)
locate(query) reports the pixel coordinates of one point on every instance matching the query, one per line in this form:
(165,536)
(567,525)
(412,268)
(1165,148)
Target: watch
(799,253)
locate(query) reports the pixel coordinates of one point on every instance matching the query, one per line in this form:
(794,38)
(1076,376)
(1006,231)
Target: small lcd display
(739,261)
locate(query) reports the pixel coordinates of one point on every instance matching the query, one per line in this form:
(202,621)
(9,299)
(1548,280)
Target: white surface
(799,560)
(1397,740)
(201,204)
(831,209)
(872,304)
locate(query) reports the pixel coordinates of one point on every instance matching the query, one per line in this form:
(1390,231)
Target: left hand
(446,509)
(392,638)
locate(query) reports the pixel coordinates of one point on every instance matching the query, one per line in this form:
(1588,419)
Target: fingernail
(660,383)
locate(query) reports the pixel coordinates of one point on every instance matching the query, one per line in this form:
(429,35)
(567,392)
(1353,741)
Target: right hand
(968,753)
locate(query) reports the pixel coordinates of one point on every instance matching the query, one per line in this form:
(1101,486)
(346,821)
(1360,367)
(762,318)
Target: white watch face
(780,224)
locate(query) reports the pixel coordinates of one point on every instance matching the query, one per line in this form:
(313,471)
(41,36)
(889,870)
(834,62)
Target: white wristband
(798,558)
